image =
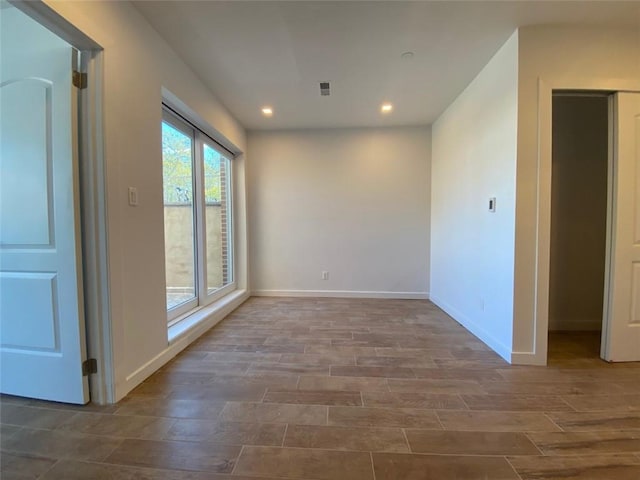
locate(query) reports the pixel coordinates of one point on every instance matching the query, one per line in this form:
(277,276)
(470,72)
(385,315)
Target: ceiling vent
(325,89)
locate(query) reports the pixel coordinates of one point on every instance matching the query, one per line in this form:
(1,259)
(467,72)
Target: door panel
(621,341)
(28,109)
(42,331)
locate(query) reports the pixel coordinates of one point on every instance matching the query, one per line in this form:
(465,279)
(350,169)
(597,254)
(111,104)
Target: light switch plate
(492,204)
(133,196)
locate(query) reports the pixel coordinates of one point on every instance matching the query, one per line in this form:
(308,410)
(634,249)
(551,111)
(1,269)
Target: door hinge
(89,366)
(79,79)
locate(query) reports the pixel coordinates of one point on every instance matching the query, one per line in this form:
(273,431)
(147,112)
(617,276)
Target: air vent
(325,89)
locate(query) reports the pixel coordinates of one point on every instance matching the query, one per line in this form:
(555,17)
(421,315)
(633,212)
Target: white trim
(497,346)
(178,106)
(543,196)
(341,294)
(94,205)
(95,227)
(527,358)
(182,335)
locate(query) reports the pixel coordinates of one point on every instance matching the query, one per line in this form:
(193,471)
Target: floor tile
(528,403)
(470,443)
(198,456)
(274,392)
(177,377)
(346,438)
(209,367)
(586,443)
(435,386)
(33,417)
(168,407)
(391,466)
(314,397)
(430,353)
(413,400)
(388,361)
(383,417)
(118,426)
(596,421)
(228,433)
(318,359)
(339,350)
(8,430)
(73,470)
(385,372)
(558,388)
(274,413)
(289,369)
(309,464)
(343,383)
(586,403)
(220,392)
(614,467)
(478,374)
(20,465)
(496,421)
(56,444)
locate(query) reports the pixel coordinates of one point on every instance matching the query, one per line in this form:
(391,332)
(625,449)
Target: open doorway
(579,195)
(54,306)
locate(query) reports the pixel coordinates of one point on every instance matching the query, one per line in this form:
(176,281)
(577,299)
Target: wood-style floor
(330,389)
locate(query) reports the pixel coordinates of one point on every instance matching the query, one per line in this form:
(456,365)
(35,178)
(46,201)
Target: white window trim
(184,311)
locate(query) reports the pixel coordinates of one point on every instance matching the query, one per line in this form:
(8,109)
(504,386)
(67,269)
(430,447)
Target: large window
(197,216)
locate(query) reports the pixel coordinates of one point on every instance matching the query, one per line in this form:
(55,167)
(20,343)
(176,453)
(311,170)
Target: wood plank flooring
(331,389)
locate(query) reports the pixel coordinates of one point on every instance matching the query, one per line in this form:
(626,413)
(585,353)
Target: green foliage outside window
(177,168)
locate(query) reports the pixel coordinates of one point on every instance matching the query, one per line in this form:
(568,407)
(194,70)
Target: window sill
(221,307)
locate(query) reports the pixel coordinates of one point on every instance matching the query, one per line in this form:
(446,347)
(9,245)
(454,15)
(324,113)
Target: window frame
(198,141)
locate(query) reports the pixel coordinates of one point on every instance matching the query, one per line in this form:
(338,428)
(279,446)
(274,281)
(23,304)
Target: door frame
(93,205)
(543,200)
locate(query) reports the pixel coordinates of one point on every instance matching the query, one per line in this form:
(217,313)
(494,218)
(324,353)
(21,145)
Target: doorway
(53,315)
(579,196)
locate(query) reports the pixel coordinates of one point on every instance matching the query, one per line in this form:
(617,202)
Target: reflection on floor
(343,389)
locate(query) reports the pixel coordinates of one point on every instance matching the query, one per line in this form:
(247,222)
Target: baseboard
(475,329)
(204,320)
(527,358)
(341,294)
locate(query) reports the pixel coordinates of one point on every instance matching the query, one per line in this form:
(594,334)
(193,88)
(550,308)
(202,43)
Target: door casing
(92,197)
(543,231)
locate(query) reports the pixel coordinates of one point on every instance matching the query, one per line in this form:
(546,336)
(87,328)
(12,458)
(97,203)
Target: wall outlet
(325,275)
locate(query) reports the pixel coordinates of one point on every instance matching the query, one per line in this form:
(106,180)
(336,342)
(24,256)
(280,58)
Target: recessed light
(386,108)
(267,111)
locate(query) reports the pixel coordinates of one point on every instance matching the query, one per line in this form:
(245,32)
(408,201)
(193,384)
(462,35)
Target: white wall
(578,212)
(554,57)
(353,202)
(137,64)
(474,158)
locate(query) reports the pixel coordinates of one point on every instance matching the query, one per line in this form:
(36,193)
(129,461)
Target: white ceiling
(253,54)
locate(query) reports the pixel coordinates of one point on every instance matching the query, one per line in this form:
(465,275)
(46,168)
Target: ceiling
(254,54)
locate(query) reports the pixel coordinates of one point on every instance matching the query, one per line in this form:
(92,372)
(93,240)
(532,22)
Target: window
(197,216)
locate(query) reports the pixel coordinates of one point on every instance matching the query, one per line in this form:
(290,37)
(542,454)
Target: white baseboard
(341,294)
(191,328)
(474,328)
(527,358)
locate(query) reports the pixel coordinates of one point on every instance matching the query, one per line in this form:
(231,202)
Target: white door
(42,334)
(621,335)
